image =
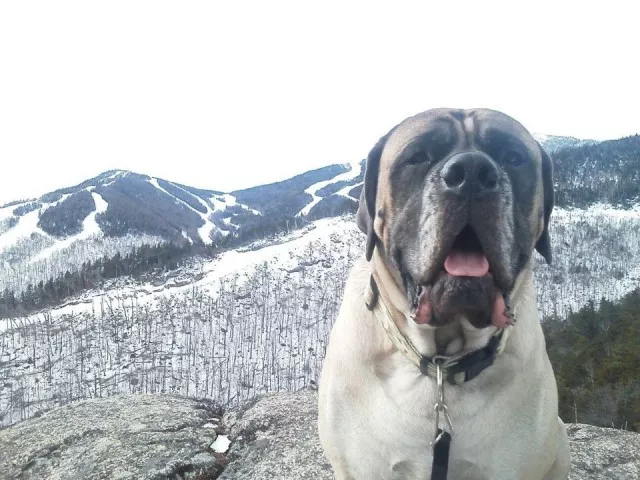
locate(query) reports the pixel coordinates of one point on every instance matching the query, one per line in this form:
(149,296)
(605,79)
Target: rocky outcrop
(123,437)
(603,453)
(276,438)
(273,437)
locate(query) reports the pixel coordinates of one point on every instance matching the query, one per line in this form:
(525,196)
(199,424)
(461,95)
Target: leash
(457,369)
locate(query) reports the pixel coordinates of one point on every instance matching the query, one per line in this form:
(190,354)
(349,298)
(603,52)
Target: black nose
(471,173)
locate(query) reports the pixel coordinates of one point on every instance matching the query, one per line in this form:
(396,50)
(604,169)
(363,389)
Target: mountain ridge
(121,210)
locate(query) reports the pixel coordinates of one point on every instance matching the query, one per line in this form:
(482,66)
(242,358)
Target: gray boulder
(276,437)
(121,437)
(603,453)
(273,437)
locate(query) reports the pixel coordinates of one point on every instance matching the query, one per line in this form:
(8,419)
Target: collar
(458,368)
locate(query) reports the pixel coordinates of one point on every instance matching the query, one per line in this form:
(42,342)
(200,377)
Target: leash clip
(440,406)
(442,442)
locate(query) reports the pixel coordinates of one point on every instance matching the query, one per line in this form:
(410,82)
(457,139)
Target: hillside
(606,172)
(255,319)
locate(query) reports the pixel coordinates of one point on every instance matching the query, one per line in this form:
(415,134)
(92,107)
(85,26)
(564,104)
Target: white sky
(227,95)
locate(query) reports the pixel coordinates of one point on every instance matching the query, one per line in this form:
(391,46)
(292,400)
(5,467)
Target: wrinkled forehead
(453,127)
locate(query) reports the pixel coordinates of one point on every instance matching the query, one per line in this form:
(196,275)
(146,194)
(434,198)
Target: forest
(260,330)
(263,327)
(595,355)
(145,260)
(605,172)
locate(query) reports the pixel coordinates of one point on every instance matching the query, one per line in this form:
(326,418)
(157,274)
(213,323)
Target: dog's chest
(401,426)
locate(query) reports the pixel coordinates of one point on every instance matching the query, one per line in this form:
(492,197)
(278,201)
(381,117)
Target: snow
(26,226)
(344,192)
(90,228)
(205,230)
(221,444)
(7,212)
(313,189)
(221,202)
(609,211)
(187,237)
(249,332)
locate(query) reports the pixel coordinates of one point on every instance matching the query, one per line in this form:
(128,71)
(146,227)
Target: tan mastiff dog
(427,373)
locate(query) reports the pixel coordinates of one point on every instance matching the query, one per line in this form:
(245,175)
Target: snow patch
(354,171)
(26,226)
(7,212)
(221,202)
(212,273)
(344,192)
(221,444)
(47,206)
(187,237)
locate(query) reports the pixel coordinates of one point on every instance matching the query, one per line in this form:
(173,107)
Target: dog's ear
(367,206)
(543,245)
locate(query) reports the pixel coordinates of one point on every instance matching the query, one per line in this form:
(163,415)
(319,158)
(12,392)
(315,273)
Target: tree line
(144,260)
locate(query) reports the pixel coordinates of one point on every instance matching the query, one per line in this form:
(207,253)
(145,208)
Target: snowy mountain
(553,143)
(119,202)
(118,211)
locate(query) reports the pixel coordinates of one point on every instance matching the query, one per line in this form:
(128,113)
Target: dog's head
(456,201)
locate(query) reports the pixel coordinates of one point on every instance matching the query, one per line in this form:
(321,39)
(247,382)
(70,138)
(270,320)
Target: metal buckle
(440,406)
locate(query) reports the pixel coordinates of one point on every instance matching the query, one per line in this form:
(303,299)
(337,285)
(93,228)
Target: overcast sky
(227,95)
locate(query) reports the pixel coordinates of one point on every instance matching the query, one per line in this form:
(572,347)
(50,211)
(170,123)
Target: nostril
(488,177)
(454,175)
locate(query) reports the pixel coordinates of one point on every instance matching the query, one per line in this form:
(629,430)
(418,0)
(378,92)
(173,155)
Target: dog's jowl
(438,335)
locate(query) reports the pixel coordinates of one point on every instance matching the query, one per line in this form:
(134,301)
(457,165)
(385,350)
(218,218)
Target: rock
(603,453)
(276,437)
(272,437)
(123,437)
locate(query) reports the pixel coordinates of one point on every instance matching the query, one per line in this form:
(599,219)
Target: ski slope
(90,228)
(352,173)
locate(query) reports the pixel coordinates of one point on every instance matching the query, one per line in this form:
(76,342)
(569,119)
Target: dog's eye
(512,158)
(420,157)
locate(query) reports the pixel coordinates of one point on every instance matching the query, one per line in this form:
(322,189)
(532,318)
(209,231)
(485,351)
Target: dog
(436,365)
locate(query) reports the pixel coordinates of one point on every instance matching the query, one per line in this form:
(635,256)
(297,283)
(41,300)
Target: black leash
(440,465)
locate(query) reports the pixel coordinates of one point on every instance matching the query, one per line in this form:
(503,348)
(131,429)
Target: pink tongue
(466,264)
